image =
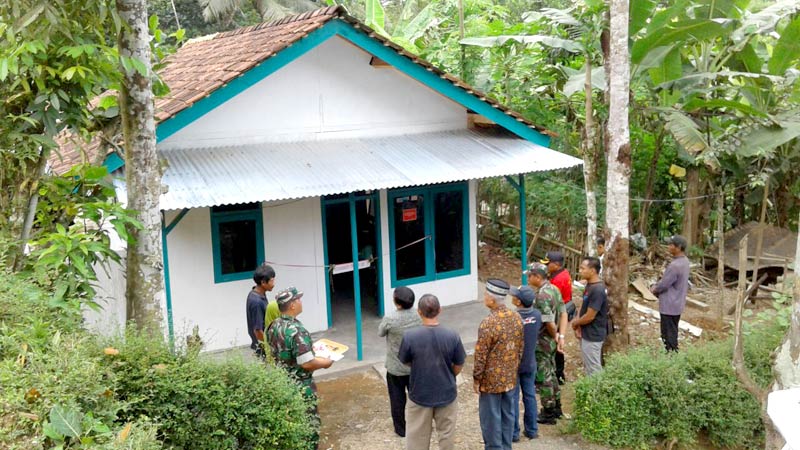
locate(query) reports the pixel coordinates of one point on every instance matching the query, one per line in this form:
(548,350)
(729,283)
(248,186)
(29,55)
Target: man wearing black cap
(671,292)
(560,278)
(522,297)
(497,356)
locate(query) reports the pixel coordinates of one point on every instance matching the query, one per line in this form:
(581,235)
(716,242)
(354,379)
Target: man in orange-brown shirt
(497,356)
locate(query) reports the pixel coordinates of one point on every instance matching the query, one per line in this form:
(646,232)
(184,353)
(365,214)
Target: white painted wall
(450,291)
(110,295)
(330,92)
(292,235)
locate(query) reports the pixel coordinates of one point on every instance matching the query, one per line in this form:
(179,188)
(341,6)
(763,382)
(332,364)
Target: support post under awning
(523,223)
(356,276)
(165,229)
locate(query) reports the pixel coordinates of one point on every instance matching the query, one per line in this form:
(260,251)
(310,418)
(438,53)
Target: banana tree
(575,32)
(220,10)
(706,61)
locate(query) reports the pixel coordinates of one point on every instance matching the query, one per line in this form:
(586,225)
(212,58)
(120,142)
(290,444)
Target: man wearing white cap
(497,357)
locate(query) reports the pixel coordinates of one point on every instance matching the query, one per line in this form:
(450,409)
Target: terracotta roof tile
(204,64)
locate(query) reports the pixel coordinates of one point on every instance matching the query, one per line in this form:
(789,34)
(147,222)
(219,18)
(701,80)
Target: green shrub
(56,386)
(203,404)
(646,396)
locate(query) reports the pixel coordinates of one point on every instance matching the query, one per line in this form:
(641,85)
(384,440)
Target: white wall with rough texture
(292,235)
(330,92)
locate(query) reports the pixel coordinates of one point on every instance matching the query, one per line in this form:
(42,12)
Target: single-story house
(316,145)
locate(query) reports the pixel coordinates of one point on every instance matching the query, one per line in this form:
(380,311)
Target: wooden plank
(683,325)
(641,285)
(751,291)
(697,304)
(550,241)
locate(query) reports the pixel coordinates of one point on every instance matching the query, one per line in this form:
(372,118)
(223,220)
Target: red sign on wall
(409,215)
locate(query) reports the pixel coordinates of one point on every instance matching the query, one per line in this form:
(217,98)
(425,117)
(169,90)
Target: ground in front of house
(355,407)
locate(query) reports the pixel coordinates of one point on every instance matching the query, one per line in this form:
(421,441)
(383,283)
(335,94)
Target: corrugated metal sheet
(202,177)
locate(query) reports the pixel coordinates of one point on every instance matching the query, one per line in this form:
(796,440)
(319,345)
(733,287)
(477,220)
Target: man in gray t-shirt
(397,374)
(671,292)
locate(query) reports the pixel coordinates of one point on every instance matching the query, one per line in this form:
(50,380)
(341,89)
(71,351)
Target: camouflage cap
(537,269)
(286,295)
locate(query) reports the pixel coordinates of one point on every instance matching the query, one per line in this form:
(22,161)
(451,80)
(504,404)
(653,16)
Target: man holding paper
(291,345)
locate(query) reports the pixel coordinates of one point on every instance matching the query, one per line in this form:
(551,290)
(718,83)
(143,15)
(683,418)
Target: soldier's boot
(557,410)
(547,416)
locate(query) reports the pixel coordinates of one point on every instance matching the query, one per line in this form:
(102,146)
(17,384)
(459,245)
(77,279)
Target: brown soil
(355,408)
(355,416)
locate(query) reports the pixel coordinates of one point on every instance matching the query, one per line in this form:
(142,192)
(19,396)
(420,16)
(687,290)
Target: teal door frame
(351,199)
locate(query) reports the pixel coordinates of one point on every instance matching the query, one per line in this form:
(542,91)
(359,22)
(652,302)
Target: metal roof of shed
(280,171)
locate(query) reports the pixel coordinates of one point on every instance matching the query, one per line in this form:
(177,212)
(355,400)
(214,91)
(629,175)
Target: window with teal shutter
(237,239)
(428,233)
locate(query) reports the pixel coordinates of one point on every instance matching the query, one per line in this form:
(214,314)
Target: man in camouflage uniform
(291,345)
(548,302)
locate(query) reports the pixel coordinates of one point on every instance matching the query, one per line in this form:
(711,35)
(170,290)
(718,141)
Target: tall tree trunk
(651,181)
(762,222)
(30,210)
(786,367)
(590,165)
(145,283)
(619,174)
(721,255)
(691,209)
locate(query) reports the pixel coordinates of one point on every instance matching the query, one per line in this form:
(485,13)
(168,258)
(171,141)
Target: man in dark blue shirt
(436,356)
(256,308)
(523,297)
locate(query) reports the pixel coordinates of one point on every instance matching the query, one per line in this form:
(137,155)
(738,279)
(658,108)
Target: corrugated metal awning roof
(278,171)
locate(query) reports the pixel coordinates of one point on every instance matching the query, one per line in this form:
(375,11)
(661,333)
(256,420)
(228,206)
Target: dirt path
(355,416)
(355,408)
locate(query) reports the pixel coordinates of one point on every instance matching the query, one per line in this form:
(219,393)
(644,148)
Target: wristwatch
(560,336)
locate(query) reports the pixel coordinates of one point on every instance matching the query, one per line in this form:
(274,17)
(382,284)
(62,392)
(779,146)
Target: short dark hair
(264,273)
(404,297)
(601,241)
(593,262)
(429,306)
(678,241)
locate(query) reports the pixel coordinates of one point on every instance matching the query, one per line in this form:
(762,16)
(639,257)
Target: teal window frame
(429,216)
(218,218)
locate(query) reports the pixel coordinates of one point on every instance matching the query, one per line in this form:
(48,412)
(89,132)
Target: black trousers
(669,331)
(560,356)
(398,387)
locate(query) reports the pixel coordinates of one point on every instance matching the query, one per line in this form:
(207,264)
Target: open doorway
(338,254)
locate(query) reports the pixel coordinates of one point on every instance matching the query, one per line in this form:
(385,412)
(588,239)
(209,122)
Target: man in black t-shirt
(436,356)
(591,325)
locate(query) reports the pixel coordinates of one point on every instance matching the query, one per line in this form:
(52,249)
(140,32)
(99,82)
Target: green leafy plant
(232,404)
(76,215)
(646,396)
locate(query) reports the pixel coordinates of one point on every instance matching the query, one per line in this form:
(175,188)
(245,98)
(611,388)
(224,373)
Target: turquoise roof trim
(338,27)
(113,162)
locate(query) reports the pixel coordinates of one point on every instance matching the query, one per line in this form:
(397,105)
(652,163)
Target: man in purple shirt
(671,292)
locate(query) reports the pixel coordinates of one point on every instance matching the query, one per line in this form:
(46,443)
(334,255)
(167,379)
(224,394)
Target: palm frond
(214,10)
